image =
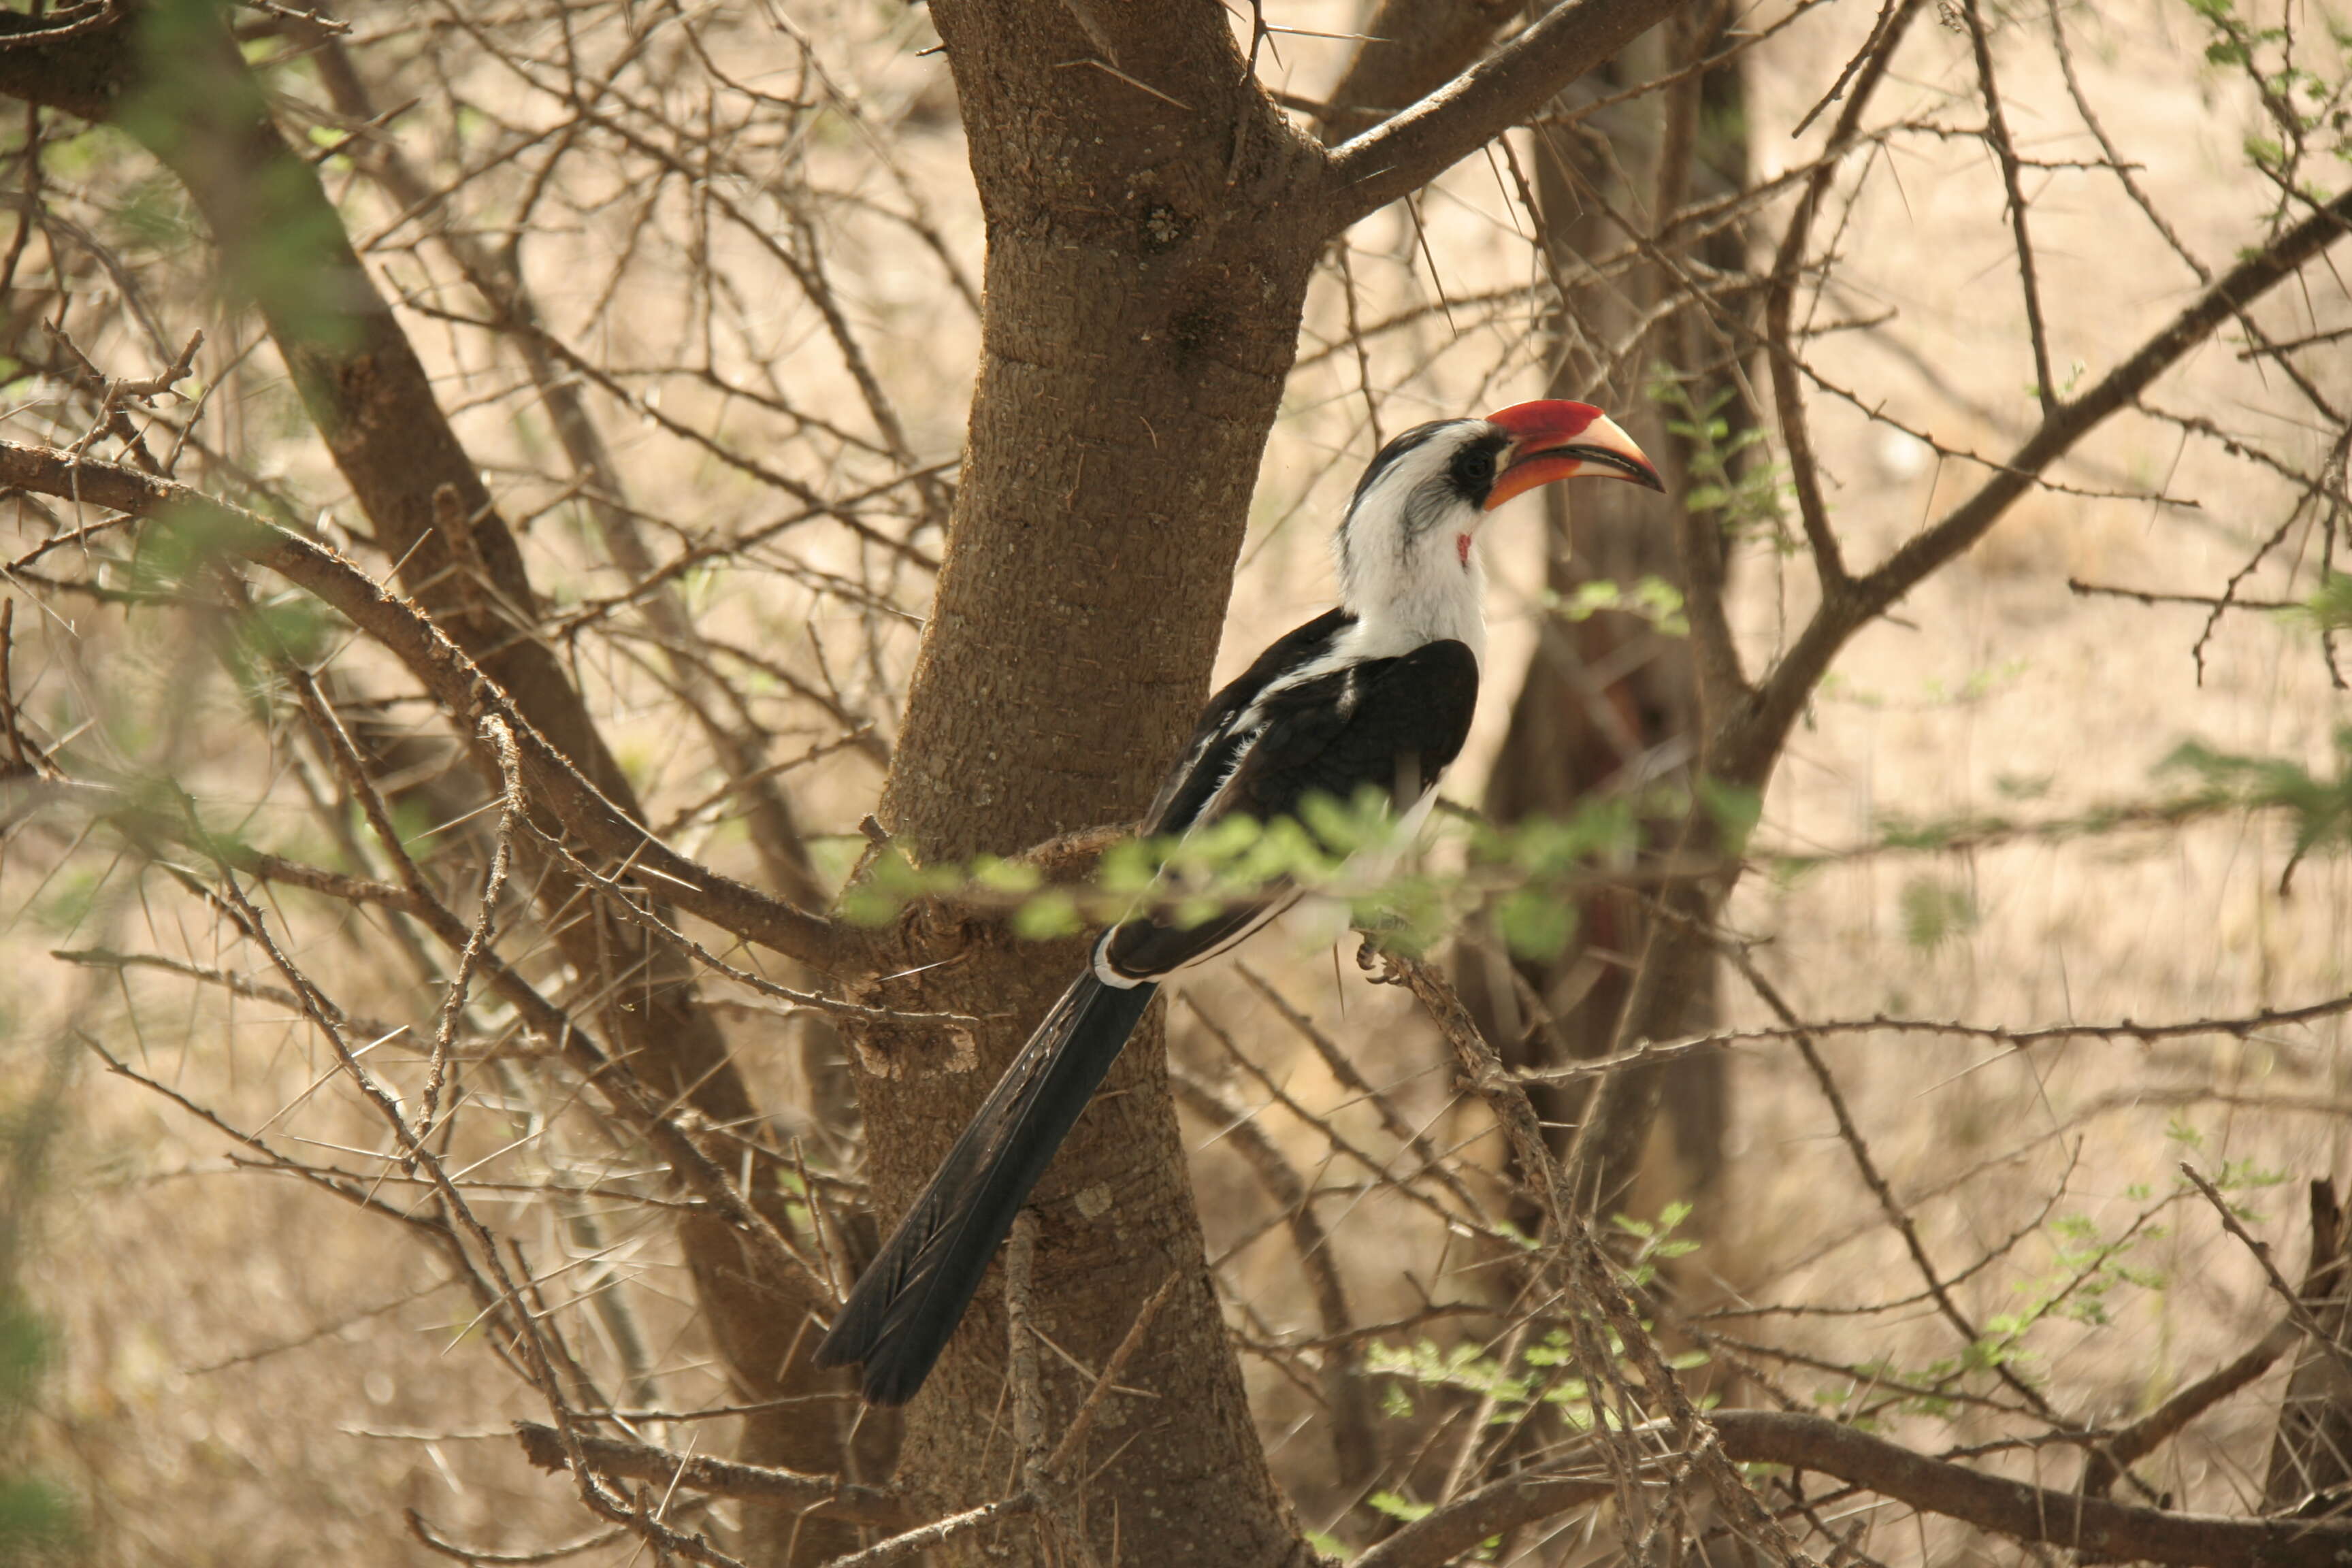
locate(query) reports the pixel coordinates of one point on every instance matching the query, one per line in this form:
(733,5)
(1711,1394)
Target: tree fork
(1153,224)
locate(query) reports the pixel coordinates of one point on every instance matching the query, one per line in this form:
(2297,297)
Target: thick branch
(80,72)
(2101,1529)
(2159,1426)
(1411,48)
(2097,1528)
(454,681)
(1498,92)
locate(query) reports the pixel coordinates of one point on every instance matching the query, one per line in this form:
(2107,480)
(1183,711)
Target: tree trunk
(1152,225)
(1147,267)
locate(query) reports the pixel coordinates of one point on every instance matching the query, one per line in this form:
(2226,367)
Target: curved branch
(1445,1532)
(1406,152)
(2107,1462)
(1779,301)
(455,682)
(2024,1512)
(1747,752)
(2098,1529)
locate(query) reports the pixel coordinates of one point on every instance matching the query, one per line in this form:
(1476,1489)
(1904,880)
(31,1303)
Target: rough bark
(1146,270)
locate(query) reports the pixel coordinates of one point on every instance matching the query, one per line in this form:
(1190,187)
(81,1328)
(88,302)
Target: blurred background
(750,243)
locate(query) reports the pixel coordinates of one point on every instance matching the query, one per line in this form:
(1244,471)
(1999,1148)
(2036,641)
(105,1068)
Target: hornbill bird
(1377,692)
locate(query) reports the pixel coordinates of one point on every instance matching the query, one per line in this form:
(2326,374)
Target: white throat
(1434,597)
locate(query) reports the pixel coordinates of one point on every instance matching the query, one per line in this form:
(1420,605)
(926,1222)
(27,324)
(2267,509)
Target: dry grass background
(249,1371)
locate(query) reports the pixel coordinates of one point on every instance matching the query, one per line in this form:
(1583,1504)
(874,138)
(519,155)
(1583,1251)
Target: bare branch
(1349,1395)
(1996,132)
(2091,1526)
(938,1533)
(455,682)
(2240,1026)
(1446,1531)
(1410,48)
(1784,696)
(1796,436)
(829,1495)
(2164,1423)
(1587,1271)
(1406,152)
(2298,1313)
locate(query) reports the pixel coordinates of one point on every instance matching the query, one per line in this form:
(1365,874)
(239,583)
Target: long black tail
(907,1305)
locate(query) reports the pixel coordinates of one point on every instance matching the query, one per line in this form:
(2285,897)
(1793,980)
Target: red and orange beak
(1555,439)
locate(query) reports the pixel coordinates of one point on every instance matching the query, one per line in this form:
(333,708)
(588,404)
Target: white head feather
(1409,568)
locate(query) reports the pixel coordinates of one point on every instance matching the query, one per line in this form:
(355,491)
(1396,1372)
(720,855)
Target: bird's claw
(1376,961)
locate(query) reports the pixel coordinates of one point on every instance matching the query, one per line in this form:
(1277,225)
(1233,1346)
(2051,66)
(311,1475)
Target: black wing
(1216,742)
(1262,748)
(1392,723)
(1395,723)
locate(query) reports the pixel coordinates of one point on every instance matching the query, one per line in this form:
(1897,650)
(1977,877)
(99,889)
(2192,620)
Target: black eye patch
(1473,469)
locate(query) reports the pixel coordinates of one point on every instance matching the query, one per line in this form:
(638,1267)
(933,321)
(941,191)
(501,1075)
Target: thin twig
(2005,151)
(2296,1312)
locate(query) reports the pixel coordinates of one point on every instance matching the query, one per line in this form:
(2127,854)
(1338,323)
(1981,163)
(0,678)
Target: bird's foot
(1378,964)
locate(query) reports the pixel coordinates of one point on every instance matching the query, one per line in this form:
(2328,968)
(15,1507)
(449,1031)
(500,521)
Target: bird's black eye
(1473,470)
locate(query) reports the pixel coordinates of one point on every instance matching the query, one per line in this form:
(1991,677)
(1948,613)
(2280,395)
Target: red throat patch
(1462,548)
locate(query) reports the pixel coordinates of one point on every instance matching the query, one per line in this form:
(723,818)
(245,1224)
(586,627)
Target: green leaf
(1535,924)
(1396,1507)
(1737,811)
(1014,877)
(1049,914)
(1328,1545)
(1935,912)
